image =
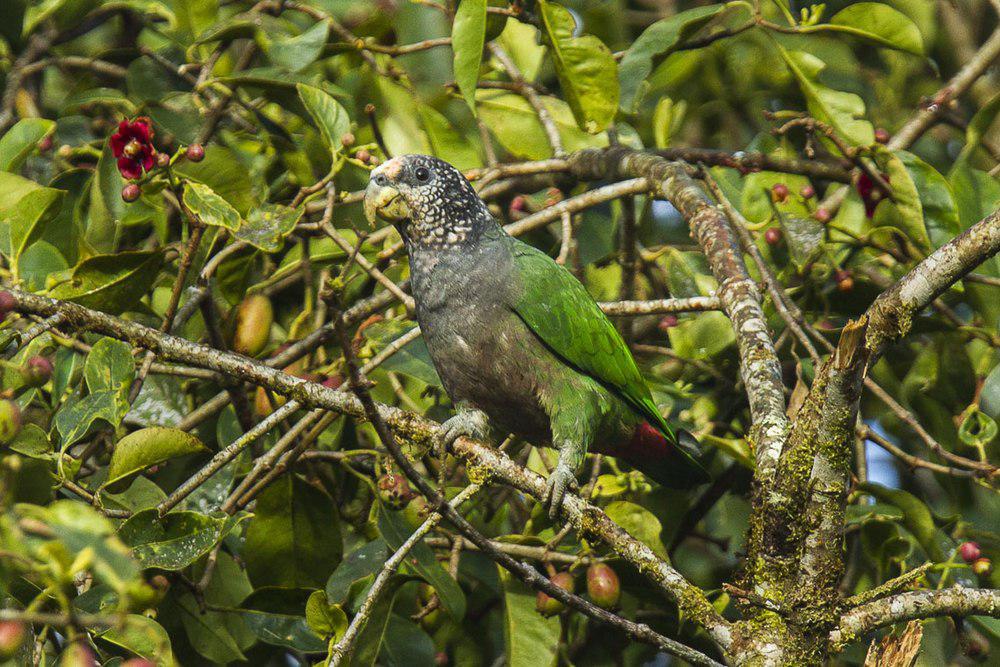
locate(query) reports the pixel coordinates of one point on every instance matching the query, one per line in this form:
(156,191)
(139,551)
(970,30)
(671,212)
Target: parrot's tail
(651,452)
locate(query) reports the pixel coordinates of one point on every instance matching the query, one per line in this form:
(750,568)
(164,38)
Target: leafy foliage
(141,512)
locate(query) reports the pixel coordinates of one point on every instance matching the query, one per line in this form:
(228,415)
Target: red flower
(871,193)
(132,144)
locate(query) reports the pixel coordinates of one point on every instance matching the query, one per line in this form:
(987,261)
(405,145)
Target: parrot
(518,342)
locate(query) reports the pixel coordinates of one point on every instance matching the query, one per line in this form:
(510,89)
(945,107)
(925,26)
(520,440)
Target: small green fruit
(37,371)
(10,421)
(254,317)
(12,637)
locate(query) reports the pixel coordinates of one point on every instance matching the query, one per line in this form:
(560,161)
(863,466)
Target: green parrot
(517,341)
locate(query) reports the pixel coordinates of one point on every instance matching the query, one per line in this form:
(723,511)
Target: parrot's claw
(561,479)
(469,423)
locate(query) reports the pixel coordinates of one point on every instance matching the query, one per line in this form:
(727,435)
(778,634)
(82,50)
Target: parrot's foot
(470,423)
(561,479)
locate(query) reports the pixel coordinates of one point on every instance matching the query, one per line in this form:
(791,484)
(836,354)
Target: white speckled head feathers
(439,208)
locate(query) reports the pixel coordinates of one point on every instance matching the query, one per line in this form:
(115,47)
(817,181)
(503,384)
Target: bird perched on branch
(516,339)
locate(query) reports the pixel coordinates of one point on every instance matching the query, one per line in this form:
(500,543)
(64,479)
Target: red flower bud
(363,155)
(347,140)
(969,551)
(668,321)
(45,144)
(6,304)
(822,215)
(37,371)
(195,153)
(779,192)
(807,192)
(772,236)
(131,192)
(518,203)
(162,160)
(882,135)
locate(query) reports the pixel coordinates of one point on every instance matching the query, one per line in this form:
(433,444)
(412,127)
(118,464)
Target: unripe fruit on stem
(6,304)
(969,551)
(549,606)
(10,421)
(416,512)
(45,144)
(823,215)
(363,155)
(518,203)
(846,285)
(131,192)
(882,135)
(347,139)
(807,192)
(195,153)
(12,637)
(162,160)
(603,586)
(779,192)
(333,382)
(394,491)
(37,371)
(77,654)
(982,566)
(254,317)
(772,236)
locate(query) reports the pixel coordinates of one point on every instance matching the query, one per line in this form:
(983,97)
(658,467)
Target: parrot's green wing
(561,312)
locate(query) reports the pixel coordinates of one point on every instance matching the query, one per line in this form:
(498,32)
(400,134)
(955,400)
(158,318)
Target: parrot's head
(429,201)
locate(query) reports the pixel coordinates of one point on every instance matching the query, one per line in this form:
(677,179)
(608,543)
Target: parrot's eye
(422,174)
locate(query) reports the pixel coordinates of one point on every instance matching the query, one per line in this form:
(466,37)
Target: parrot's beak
(382,199)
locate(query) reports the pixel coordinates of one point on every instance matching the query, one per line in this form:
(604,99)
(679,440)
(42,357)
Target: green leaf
(111,283)
(208,632)
(21,141)
(176,540)
(396,530)
(361,563)
(587,71)
(109,367)
(412,359)
(923,207)
(531,640)
(267,226)
(843,111)
(224,172)
(144,637)
(977,429)
(447,142)
(468,37)
(294,538)
(657,42)
(370,640)
(979,126)
(702,336)
(640,524)
(77,415)
(325,618)
(277,616)
(298,52)
(516,126)
(406,644)
(39,261)
(147,447)
(32,442)
(210,208)
(330,117)
(106,209)
(878,23)
(28,218)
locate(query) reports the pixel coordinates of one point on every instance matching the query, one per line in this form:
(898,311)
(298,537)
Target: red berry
(441,659)
(823,215)
(12,636)
(333,382)
(841,274)
(518,203)
(131,192)
(807,192)
(347,139)
(45,144)
(982,566)
(668,322)
(77,654)
(37,371)
(779,192)
(7,304)
(882,135)
(549,606)
(138,662)
(772,236)
(363,155)
(195,153)
(162,160)
(603,586)
(10,421)
(846,285)
(969,551)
